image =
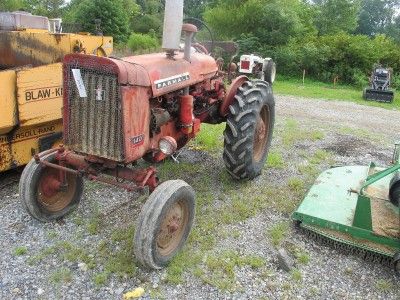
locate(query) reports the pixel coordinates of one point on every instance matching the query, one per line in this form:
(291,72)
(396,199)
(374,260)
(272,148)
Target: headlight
(167,145)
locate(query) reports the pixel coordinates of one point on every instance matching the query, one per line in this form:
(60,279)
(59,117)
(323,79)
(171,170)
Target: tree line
(326,38)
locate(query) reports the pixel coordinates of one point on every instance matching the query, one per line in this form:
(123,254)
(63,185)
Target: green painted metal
(335,203)
(362,216)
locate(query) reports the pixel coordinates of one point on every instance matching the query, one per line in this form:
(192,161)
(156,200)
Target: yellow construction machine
(31,89)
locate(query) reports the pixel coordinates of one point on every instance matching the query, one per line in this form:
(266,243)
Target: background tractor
(380,86)
(118,111)
(31,51)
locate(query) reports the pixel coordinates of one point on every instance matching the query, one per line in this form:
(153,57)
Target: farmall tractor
(118,111)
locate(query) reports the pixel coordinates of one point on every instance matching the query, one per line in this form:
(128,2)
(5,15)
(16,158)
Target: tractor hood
(162,74)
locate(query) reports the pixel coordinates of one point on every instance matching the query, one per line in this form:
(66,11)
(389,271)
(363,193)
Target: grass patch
(219,269)
(170,169)
(210,138)
(275,160)
(184,261)
(296,275)
(308,170)
(21,250)
(320,90)
(93,225)
(100,279)
(321,156)
(296,185)
(278,233)
(63,275)
(384,285)
(52,234)
(302,257)
(292,134)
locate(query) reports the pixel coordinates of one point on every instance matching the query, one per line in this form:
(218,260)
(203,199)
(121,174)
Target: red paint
(186,114)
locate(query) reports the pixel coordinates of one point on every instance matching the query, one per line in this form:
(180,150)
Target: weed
(383,285)
(296,185)
(275,160)
(221,268)
(278,233)
(302,257)
(290,133)
(184,261)
(62,275)
(296,275)
(100,278)
(308,170)
(52,234)
(316,135)
(78,220)
(21,250)
(320,156)
(93,225)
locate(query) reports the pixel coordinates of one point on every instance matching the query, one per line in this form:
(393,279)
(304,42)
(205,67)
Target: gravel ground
(31,266)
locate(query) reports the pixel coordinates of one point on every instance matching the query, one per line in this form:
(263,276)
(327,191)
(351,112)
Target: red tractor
(118,111)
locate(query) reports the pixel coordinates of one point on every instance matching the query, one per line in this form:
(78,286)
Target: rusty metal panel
(168,75)
(21,48)
(39,92)
(8,101)
(136,126)
(94,123)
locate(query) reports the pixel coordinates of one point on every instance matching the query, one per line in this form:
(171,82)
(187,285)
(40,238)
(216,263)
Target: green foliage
(272,22)
(334,16)
(140,42)
(112,13)
(347,57)
(376,16)
(11,5)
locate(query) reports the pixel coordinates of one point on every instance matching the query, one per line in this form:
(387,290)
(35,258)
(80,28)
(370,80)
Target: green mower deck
(349,205)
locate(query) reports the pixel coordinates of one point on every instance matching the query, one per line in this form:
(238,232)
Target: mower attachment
(349,207)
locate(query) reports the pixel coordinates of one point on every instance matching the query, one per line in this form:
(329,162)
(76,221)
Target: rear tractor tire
(396,263)
(394,190)
(164,223)
(249,129)
(39,196)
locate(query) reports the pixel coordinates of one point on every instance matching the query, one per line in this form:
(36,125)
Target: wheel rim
(261,134)
(172,228)
(51,195)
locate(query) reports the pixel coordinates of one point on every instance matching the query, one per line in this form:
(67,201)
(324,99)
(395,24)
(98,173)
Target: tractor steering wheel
(196,44)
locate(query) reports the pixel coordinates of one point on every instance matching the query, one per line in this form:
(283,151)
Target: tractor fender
(230,95)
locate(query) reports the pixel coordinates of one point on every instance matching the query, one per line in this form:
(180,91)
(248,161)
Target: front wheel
(164,223)
(41,192)
(249,129)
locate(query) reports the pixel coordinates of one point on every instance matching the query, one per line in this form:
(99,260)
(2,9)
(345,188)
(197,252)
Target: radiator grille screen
(95,121)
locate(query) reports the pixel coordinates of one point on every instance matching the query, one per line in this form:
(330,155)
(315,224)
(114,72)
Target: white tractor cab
(263,68)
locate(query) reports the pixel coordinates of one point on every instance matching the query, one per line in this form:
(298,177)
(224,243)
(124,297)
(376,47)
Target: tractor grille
(95,121)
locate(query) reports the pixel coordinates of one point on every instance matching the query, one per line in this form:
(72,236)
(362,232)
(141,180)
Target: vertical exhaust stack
(173,21)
